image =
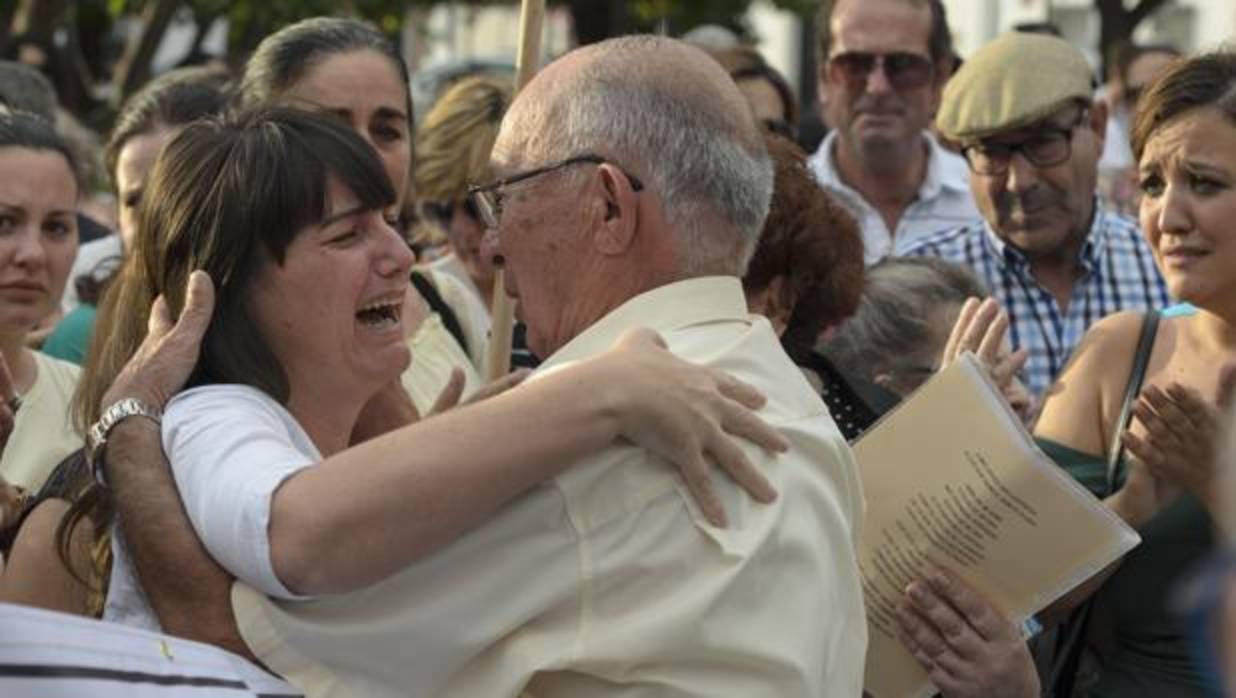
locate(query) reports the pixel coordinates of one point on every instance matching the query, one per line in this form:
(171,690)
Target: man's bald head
(670,114)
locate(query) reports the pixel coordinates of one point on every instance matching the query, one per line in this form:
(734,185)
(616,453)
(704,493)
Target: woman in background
(452,150)
(147,121)
(38,240)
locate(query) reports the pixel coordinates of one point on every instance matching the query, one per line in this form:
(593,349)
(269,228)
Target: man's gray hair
(681,138)
(898,318)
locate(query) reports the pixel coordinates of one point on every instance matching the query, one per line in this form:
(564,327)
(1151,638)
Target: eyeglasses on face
(487,198)
(905,71)
(1046,148)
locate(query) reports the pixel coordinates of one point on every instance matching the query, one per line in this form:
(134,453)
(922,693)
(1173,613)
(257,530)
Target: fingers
(986,622)
(695,474)
(451,392)
(953,346)
(500,385)
(160,322)
(743,393)
(993,339)
(735,464)
(1004,370)
(199,307)
(983,318)
(1142,450)
(8,419)
(946,622)
(194,318)
(741,422)
(1227,387)
(7,390)
(1166,422)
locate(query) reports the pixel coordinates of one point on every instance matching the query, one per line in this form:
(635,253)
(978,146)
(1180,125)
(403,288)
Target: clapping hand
(1178,447)
(981,328)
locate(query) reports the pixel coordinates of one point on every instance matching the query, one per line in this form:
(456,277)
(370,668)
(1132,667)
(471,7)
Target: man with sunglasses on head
(882,66)
(1024,112)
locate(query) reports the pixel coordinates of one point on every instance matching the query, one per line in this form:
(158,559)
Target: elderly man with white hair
(632,186)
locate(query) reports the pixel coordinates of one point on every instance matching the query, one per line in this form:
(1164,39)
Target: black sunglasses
(905,71)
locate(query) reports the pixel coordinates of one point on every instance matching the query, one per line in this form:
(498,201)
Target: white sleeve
(230,449)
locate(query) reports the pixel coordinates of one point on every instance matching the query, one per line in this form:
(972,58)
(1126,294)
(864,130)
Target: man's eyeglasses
(905,71)
(1047,148)
(487,198)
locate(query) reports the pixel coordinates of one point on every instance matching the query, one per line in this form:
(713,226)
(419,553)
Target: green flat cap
(1013,81)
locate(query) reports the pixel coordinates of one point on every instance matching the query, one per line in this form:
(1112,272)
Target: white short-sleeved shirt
(230,447)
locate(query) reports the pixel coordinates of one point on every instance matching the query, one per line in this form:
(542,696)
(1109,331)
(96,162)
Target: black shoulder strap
(1150,327)
(430,293)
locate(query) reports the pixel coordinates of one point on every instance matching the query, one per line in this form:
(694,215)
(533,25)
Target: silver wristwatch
(117,412)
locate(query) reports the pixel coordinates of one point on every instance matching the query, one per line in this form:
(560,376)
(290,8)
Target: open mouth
(381,315)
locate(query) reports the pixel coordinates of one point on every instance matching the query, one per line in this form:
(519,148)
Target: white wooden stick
(502,311)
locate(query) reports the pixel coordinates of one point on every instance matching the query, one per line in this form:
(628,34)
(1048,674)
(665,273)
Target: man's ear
(617,226)
(944,68)
(1097,121)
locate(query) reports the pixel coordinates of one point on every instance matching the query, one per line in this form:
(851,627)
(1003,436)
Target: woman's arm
(36,576)
(405,494)
(1080,412)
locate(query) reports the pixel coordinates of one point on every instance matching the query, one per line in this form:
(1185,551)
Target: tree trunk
(597,20)
(1116,24)
(134,67)
(38,19)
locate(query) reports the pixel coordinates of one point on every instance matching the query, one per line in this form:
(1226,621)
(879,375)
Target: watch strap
(115,413)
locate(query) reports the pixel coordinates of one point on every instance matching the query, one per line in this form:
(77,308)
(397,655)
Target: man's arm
(188,590)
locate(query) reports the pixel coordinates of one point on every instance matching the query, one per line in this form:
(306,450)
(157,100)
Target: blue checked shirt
(1118,274)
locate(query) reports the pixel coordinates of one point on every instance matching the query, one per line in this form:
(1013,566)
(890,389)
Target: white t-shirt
(230,447)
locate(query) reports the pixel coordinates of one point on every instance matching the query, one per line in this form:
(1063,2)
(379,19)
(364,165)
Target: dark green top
(1150,656)
(72,336)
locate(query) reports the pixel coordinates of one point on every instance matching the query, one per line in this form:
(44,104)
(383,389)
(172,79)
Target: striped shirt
(1118,273)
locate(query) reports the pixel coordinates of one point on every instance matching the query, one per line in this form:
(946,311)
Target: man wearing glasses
(630,186)
(1024,112)
(882,66)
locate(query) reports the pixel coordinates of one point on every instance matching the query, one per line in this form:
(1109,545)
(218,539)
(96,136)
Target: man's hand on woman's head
(166,357)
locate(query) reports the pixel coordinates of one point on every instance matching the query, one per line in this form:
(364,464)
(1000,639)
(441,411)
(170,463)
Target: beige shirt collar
(665,308)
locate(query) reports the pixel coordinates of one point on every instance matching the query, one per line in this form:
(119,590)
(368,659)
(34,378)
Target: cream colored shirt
(435,353)
(42,434)
(607,581)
